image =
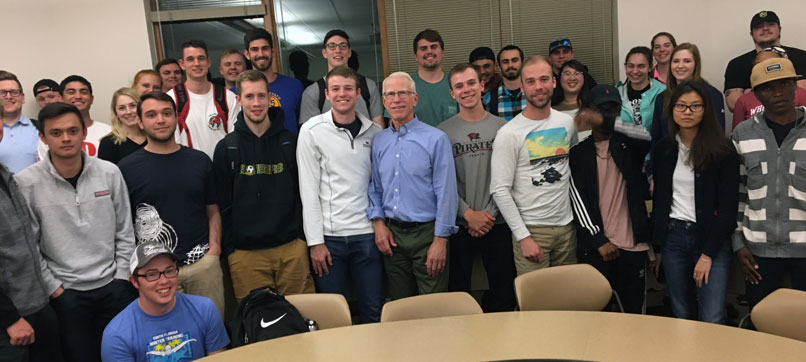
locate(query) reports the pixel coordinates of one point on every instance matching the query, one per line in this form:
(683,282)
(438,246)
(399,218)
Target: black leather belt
(406,224)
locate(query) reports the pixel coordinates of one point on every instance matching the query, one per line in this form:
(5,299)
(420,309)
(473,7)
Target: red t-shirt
(748,105)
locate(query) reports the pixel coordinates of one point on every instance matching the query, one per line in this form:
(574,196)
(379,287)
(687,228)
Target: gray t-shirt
(472,146)
(309,106)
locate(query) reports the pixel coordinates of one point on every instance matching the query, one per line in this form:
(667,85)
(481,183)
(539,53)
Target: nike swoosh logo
(266,325)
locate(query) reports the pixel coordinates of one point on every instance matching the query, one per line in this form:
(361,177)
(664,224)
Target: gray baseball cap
(145,252)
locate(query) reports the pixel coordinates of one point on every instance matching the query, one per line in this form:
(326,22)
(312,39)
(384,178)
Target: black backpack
(362,84)
(265,314)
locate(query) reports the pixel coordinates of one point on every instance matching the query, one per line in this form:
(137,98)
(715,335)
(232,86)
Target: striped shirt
(772,191)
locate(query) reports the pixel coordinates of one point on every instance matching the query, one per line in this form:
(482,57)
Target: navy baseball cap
(559,43)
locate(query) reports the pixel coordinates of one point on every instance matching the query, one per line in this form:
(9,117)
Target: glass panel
(219,35)
(302,25)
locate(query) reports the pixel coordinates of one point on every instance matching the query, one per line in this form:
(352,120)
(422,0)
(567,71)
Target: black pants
(626,274)
(773,271)
(46,346)
(83,315)
(496,254)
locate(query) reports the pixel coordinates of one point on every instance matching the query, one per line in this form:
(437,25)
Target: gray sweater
(86,232)
(21,288)
(772,190)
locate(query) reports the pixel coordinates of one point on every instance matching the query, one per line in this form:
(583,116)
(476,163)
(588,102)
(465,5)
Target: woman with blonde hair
(146,81)
(126,136)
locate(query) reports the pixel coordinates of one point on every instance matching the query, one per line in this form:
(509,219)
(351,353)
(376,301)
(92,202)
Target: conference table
(544,335)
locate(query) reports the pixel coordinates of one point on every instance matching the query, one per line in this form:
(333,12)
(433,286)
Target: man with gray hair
(413,198)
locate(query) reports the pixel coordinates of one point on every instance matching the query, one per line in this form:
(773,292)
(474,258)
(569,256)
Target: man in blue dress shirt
(18,148)
(412,195)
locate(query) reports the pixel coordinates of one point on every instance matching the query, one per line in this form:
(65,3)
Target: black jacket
(628,155)
(716,197)
(258,186)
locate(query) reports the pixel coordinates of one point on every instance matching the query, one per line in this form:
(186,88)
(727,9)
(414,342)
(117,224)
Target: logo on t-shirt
(274,100)
(170,347)
(90,149)
(101,193)
(475,147)
(214,122)
(547,148)
(148,226)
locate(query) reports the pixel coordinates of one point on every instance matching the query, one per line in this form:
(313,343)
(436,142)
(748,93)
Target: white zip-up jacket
(87,237)
(334,173)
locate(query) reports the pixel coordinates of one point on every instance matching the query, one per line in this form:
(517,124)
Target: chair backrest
(578,287)
(328,310)
(782,313)
(430,306)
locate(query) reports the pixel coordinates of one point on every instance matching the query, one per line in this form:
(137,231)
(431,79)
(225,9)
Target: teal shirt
(435,103)
(647,107)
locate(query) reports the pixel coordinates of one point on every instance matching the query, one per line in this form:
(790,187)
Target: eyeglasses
(12,92)
(333,46)
(694,108)
(153,275)
(572,74)
(402,94)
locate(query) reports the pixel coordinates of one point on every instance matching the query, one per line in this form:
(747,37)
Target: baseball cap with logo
(762,17)
(772,69)
(603,93)
(559,43)
(147,251)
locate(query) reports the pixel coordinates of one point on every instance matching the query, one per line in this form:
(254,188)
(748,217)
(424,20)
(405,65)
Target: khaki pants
(204,278)
(285,268)
(559,245)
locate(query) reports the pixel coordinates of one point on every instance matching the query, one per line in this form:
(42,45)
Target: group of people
(114,236)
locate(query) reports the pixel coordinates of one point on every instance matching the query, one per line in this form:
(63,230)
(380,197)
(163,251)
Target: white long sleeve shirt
(334,173)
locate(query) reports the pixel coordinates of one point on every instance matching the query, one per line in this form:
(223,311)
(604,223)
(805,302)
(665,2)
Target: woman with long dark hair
(696,174)
(575,90)
(686,65)
(639,91)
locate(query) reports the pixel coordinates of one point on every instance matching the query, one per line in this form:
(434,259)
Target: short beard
(508,77)
(156,139)
(268,65)
(540,105)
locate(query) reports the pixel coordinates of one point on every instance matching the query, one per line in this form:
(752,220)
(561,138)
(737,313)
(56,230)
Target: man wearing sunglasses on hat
(765,29)
(162,324)
(561,51)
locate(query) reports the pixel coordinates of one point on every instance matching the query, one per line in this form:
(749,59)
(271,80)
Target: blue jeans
(679,256)
(355,257)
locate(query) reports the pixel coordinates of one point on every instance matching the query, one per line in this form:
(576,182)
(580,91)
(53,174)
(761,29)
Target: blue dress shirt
(413,177)
(18,147)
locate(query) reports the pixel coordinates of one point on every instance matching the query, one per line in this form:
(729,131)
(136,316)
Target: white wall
(721,29)
(106,41)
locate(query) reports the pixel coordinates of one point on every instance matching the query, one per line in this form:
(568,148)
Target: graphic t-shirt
(286,92)
(530,173)
(188,332)
(472,145)
(169,195)
(205,126)
(635,101)
(91,143)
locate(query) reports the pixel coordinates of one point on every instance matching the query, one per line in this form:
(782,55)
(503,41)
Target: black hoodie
(258,188)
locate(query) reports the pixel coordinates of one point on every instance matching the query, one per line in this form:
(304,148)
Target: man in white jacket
(80,205)
(333,156)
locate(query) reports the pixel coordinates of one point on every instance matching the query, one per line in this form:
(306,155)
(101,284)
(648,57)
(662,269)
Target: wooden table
(588,336)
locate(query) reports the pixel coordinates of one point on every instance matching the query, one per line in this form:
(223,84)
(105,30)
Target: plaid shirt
(509,105)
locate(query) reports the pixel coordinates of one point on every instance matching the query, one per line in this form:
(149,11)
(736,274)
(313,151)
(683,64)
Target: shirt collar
(23,120)
(408,127)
